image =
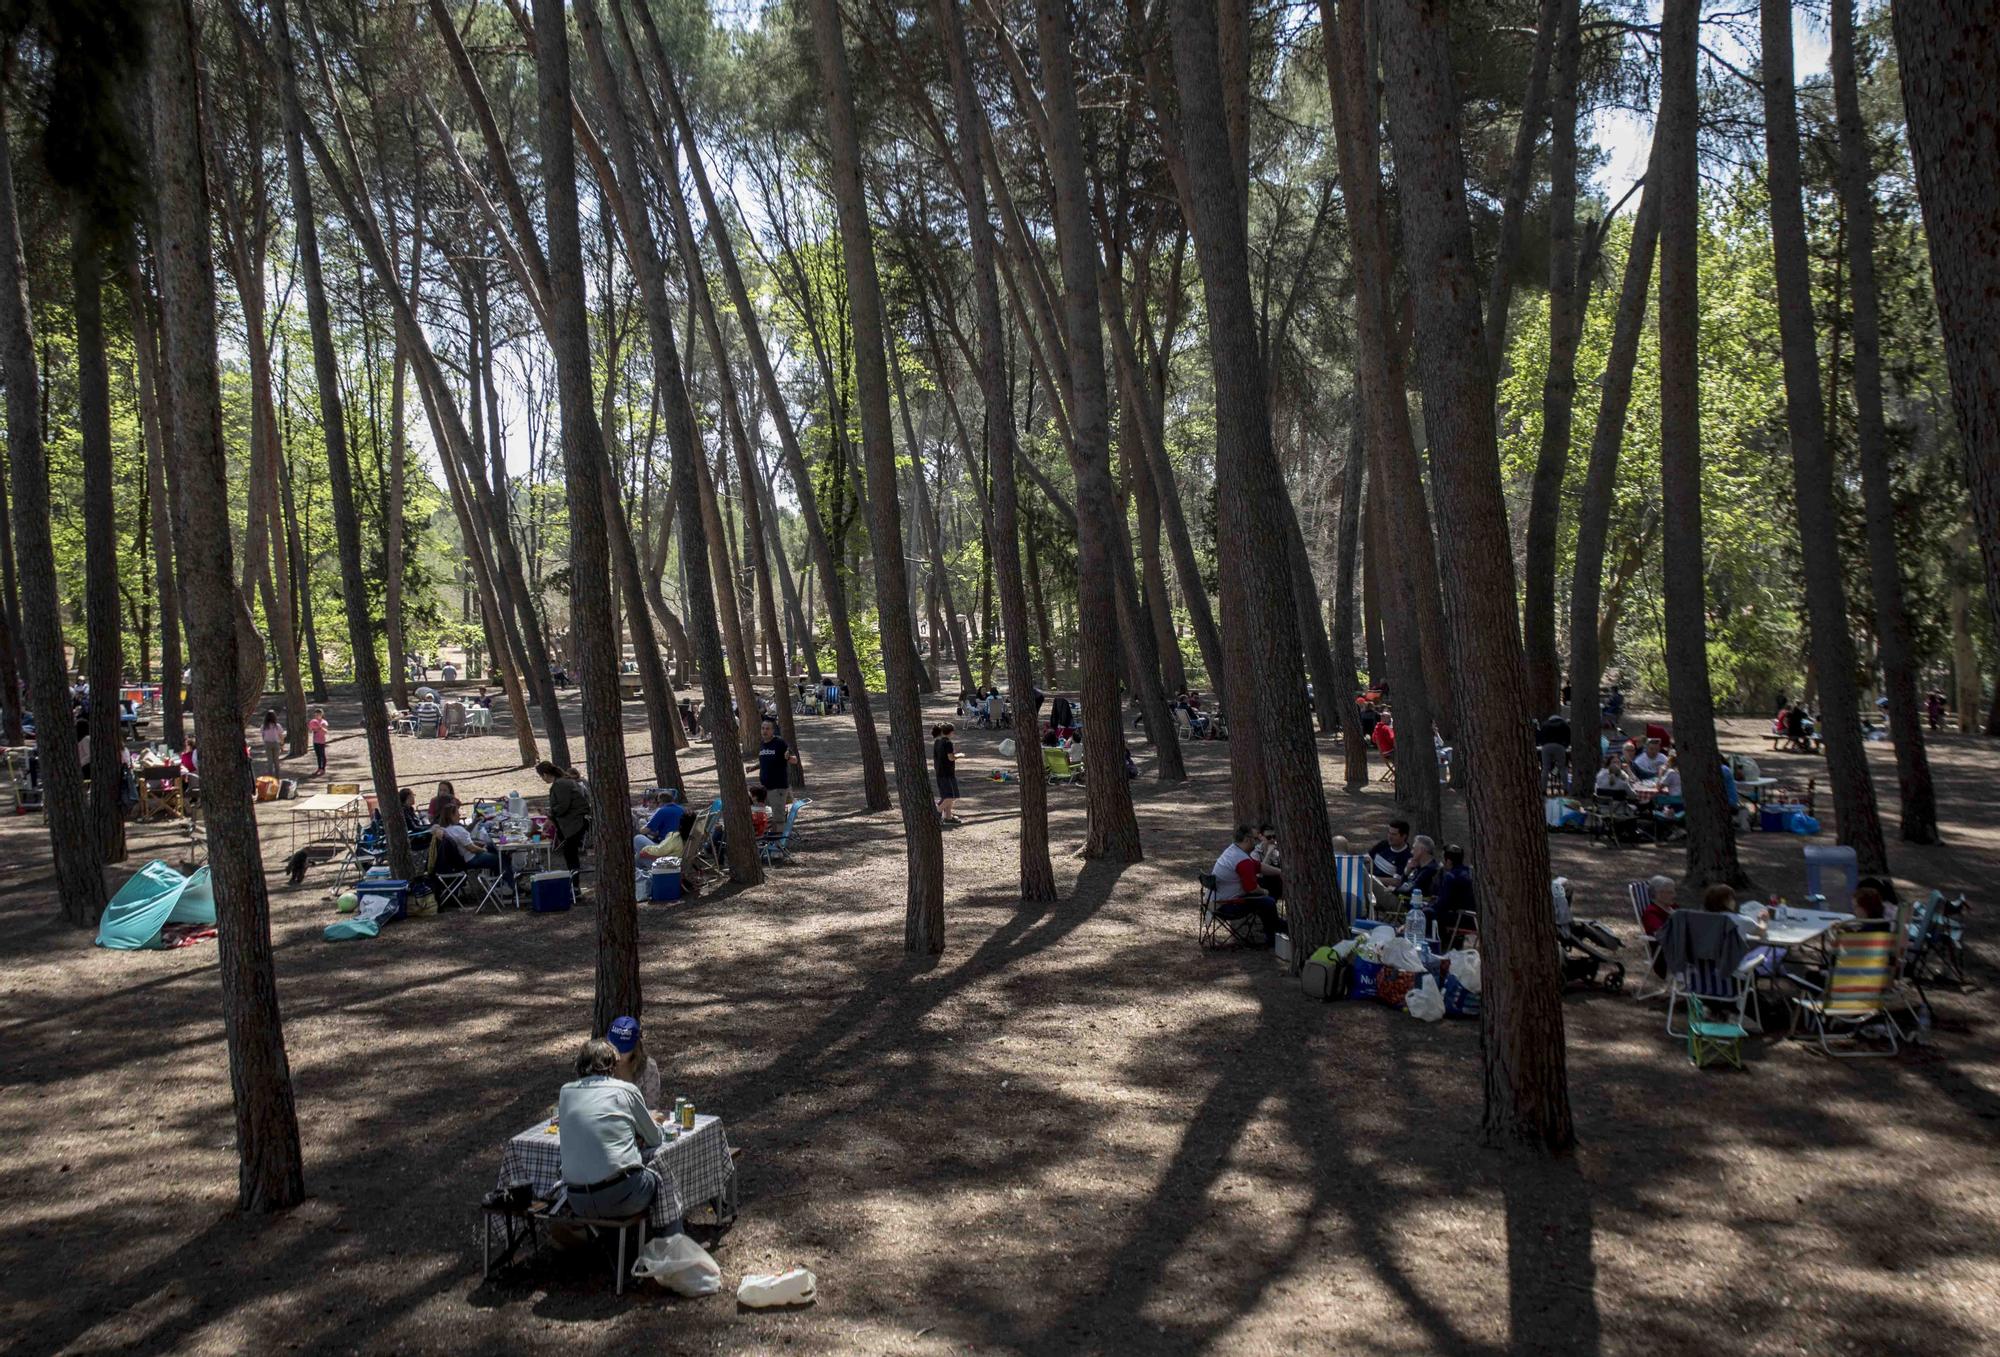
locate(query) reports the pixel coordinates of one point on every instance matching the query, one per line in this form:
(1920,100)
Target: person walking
(944,755)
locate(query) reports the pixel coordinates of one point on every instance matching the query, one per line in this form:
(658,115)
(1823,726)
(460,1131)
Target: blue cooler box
(550,892)
(663,883)
(398,891)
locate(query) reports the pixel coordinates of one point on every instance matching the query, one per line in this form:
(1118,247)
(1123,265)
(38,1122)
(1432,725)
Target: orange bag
(267,788)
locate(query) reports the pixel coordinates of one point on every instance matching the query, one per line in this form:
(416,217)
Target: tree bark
(1249,483)
(100,526)
(923,928)
(1527,1082)
(1408,601)
(1593,515)
(833,590)
(166,590)
(1949,54)
(1520,178)
(1918,795)
(1114,829)
(1856,820)
(270,1174)
(1567,300)
(333,425)
(72,831)
(1711,843)
(593,626)
(1354,770)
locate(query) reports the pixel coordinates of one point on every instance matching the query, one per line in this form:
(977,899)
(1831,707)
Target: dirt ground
(1074,1132)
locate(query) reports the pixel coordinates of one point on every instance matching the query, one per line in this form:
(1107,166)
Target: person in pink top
(317,725)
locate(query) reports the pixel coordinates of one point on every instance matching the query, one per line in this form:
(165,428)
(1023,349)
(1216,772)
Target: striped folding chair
(1641,895)
(1854,996)
(1350,872)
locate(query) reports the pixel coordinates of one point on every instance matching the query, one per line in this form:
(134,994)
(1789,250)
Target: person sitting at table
(1384,736)
(668,818)
(1456,908)
(1870,910)
(634,1066)
(1391,853)
(190,761)
(1670,778)
(484,698)
(760,809)
(1270,876)
(444,794)
(1237,891)
(1653,915)
(472,857)
(606,1135)
(1613,779)
(1420,873)
(1649,762)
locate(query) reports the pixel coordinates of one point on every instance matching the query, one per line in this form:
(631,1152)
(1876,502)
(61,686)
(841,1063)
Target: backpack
(1325,975)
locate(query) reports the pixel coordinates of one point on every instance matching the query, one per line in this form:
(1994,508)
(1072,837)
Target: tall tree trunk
(340,479)
(1711,850)
(1250,483)
(1593,515)
(72,831)
(923,928)
(1520,178)
(145,352)
(1407,593)
(1567,300)
(100,526)
(1004,541)
(1527,1081)
(930,532)
(1892,623)
(1949,54)
(586,466)
(1371,582)
(270,1173)
(1354,770)
(874,774)
(1856,821)
(1114,828)
(705,636)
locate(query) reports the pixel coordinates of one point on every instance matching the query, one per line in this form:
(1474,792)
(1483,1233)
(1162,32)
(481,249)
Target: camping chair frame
(1216,931)
(1714,989)
(1060,767)
(1641,895)
(777,844)
(1709,1040)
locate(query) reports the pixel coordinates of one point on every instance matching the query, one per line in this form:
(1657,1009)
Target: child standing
(317,725)
(944,755)
(274,741)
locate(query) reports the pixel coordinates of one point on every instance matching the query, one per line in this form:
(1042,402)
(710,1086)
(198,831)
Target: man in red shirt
(1237,890)
(1385,739)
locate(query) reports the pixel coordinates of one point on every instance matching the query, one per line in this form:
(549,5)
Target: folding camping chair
(1709,1039)
(777,844)
(1060,767)
(1216,931)
(1350,873)
(445,884)
(1718,984)
(1641,895)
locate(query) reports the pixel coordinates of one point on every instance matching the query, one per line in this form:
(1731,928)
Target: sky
(1627,137)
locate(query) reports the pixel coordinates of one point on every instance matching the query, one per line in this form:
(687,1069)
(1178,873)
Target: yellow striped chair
(1855,989)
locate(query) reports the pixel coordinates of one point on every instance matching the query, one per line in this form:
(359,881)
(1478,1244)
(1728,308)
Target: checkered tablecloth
(695,1168)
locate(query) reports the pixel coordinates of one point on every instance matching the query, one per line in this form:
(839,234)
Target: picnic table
(330,817)
(695,1167)
(1796,928)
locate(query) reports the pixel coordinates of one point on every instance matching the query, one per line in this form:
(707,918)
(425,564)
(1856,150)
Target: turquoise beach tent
(156,896)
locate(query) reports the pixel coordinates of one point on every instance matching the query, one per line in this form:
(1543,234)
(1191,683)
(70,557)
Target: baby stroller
(1587,947)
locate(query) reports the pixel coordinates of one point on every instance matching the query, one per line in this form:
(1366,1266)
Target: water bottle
(1415,924)
(516,807)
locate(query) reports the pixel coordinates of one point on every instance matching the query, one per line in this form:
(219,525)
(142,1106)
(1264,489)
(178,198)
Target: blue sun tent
(156,896)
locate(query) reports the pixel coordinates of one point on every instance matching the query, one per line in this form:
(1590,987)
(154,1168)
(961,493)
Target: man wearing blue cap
(634,1066)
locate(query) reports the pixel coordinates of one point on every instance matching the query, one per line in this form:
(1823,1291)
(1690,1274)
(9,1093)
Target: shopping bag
(1366,973)
(1460,1000)
(761,1290)
(1426,1001)
(679,1264)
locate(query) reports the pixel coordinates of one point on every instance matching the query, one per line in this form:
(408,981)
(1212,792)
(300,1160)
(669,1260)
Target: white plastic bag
(1426,1001)
(1402,954)
(1345,949)
(1465,968)
(761,1290)
(679,1264)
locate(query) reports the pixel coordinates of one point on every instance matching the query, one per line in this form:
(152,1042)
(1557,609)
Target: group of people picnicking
(1404,871)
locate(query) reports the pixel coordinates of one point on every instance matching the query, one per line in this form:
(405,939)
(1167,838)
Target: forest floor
(1073,1132)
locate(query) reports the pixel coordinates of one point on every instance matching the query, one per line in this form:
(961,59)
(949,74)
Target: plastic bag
(1464,968)
(1426,1001)
(1403,954)
(1366,973)
(1802,823)
(760,1290)
(1459,1002)
(1369,947)
(679,1264)
(1345,949)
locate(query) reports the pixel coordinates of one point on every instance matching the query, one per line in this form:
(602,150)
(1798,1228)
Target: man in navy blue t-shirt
(774,764)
